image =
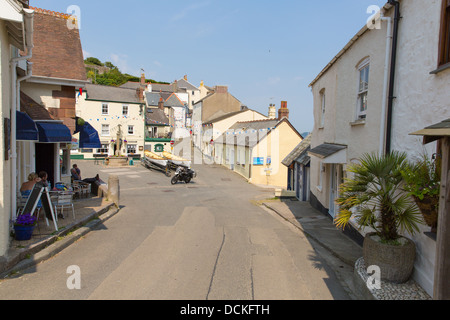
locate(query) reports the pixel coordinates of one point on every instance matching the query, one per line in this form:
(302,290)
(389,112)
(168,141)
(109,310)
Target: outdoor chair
(64,200)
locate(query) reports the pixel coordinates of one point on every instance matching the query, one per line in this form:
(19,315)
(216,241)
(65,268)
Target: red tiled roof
(57,51)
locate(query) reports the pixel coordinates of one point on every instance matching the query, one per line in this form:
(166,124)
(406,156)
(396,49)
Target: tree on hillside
(112,77)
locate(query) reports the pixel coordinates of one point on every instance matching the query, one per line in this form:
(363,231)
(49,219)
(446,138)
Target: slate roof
(156,87)
(228,115)
(182,83)
(248,133)
(170,100)
(152,98)
(111,94)
(300,153)
(156,117)
(327,149)
(57,51)
(173,101)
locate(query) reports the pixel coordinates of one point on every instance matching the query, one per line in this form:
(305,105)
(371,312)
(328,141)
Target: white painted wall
(422,99)
(91,111)
(5,167)
(340,86)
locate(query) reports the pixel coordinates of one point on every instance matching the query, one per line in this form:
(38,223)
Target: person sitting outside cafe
(28,186)
(76,173)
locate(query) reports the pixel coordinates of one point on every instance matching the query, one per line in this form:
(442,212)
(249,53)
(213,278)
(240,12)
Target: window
(104,149)
(131,130)
(105,109)
(124,110)
(131,148)
(323,107)
(320,176)
(363,90)
(159,148)
(444,43)
(105,129)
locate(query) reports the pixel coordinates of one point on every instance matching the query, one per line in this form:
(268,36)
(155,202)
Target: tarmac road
(202,241)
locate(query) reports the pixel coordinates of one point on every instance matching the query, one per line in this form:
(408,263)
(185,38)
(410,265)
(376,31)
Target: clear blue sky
(265,51)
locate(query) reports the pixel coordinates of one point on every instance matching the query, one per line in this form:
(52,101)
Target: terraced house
(390,80)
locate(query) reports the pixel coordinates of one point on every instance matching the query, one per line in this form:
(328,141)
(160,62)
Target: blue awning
(51,132)
(89,138)
(26,129)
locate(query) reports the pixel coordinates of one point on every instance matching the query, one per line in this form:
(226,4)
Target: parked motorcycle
(183,174)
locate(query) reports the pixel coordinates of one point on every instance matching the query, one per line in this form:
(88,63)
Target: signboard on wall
(258,161)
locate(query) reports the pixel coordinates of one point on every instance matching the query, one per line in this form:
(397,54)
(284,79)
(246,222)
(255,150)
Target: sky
(264,51)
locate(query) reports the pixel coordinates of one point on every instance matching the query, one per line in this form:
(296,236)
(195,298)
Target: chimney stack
(161,103)
(143,79)
(272,112)
(284,111)
(140,94)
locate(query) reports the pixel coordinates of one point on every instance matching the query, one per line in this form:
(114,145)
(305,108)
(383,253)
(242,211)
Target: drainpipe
(392,76)
(385,84)
(15,101)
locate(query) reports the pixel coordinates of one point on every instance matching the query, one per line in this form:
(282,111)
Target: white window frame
(131,147)
(321,174)
(363,89)
(105,105)
(104,149)
(106,128)
(125,110)
(131,132)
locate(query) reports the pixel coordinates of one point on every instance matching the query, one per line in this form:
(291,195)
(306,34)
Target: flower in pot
(374,198)
(423,183)
(24,227)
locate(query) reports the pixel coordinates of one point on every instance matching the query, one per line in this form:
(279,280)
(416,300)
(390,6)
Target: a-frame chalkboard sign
(41,192)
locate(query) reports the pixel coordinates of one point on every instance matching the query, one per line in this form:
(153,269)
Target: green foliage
(423,178)
(375,198)
(114,77)
(93,61)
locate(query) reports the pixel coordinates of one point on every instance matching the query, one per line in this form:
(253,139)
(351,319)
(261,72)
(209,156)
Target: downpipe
(391,98)
(385,84)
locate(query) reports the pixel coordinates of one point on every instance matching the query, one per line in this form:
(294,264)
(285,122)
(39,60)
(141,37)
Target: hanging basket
(429,207)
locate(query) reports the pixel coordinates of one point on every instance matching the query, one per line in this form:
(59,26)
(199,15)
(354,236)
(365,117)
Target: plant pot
(429,208)
(396,262)
(23,233)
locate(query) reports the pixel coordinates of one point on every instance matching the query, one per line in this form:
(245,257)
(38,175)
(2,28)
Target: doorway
(45,160)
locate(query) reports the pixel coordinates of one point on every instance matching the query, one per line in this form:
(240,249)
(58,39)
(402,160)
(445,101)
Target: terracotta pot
(396,262)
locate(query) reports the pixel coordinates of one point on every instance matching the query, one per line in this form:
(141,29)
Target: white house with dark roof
(214,128)
(367,102)
(118,116)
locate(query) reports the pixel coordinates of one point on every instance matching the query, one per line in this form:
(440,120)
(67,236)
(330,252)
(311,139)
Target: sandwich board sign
(41,193)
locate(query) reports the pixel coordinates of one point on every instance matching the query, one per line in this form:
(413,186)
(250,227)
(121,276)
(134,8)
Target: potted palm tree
(374,198)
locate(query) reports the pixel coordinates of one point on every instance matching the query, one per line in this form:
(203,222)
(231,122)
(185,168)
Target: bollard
(114,189)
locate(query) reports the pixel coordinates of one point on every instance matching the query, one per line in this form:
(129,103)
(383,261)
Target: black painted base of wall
(349,231)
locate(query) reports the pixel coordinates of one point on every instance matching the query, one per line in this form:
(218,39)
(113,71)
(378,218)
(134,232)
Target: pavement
(47,242)
(321,229)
